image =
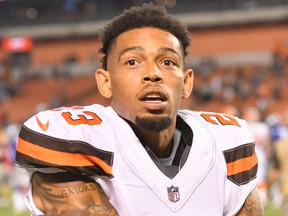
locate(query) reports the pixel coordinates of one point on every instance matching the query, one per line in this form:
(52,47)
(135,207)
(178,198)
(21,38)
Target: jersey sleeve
(241,166)
(236,146)
(61,140)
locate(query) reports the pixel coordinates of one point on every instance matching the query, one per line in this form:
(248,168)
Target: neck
(159,142)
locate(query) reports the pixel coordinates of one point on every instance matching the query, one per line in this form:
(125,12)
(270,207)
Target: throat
(160,143)
(165,164)
(179,152)
(167,161)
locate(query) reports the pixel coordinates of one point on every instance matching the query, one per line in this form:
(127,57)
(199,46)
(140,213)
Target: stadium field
(8,211)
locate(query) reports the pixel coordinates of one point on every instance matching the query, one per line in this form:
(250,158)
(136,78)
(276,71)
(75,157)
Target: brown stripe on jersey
(38,150)
(244,177)
(241,163)
(239,152)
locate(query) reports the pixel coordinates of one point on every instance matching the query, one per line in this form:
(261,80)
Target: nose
(152,74)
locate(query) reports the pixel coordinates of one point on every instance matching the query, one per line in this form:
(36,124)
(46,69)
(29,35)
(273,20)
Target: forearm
(70,198)
(252,206)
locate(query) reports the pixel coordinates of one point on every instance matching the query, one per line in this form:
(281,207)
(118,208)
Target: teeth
(153,97)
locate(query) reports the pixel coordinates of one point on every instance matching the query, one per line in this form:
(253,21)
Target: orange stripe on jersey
(241,165)
(60,158)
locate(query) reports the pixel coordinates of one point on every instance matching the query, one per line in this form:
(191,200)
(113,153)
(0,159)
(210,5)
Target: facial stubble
(153,123)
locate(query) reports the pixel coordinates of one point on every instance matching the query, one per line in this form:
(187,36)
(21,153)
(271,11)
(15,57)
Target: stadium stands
(239,55)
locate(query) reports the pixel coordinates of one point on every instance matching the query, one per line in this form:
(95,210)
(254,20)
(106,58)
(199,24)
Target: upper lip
(153,94)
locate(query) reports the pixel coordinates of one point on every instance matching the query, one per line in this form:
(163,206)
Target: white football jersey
(216,178)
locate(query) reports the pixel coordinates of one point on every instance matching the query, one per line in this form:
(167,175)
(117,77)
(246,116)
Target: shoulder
(233,140)
(235,150)
(81,135)
(68,122)
(215,119)
(228,131)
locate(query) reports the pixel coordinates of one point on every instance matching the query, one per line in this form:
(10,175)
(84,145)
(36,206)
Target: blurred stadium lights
(17,44)
(232,17)
(31,18)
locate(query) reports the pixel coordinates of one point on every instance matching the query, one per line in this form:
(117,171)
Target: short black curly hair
(147,15)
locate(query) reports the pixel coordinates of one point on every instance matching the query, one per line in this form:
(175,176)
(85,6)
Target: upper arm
(252,206)
(54,196)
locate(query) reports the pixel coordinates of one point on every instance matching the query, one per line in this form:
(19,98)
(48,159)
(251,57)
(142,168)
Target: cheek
(117,83)
(177,84)
(121,91)
(124,82)
(177,91)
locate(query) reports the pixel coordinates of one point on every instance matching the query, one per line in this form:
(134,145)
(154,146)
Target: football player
(141,155)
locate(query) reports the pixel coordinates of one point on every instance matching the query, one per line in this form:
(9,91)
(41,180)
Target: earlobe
(103,82)
(188,83)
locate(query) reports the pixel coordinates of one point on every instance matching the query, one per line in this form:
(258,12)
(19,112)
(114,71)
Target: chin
(154,123)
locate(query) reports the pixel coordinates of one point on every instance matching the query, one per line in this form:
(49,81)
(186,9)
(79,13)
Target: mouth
(154,100)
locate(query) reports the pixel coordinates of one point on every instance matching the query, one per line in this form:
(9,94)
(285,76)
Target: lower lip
(154,105)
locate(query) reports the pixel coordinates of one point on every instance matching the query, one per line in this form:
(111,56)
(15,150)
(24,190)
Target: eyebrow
(139,48)
(167,49)
(129,49)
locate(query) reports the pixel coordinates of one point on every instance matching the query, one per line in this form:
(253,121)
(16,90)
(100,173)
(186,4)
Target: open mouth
(154,100)
(154,96)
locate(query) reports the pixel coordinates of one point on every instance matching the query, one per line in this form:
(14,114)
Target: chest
(141,189)
(139,181)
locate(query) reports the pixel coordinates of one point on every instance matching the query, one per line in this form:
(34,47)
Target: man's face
(146,77)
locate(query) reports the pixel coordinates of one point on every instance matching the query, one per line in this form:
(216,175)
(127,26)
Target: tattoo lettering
(78,189)
(73,198)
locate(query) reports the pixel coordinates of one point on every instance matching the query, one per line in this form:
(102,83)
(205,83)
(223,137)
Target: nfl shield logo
(173,194)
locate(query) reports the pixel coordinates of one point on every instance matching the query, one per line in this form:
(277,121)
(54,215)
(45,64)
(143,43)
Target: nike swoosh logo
(43,127)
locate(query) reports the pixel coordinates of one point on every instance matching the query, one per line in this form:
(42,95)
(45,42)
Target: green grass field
(8,211)
(270,211)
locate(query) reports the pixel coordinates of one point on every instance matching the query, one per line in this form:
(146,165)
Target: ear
(103,80)
(188,83)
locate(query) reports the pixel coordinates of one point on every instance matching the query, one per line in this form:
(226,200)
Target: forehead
(147,36)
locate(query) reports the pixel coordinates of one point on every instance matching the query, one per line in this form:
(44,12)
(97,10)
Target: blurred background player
(261,133)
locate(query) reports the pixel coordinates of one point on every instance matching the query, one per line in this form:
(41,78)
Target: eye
(168,63)
(131,62)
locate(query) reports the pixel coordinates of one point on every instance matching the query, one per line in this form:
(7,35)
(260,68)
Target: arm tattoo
(252,206)
(72,198)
